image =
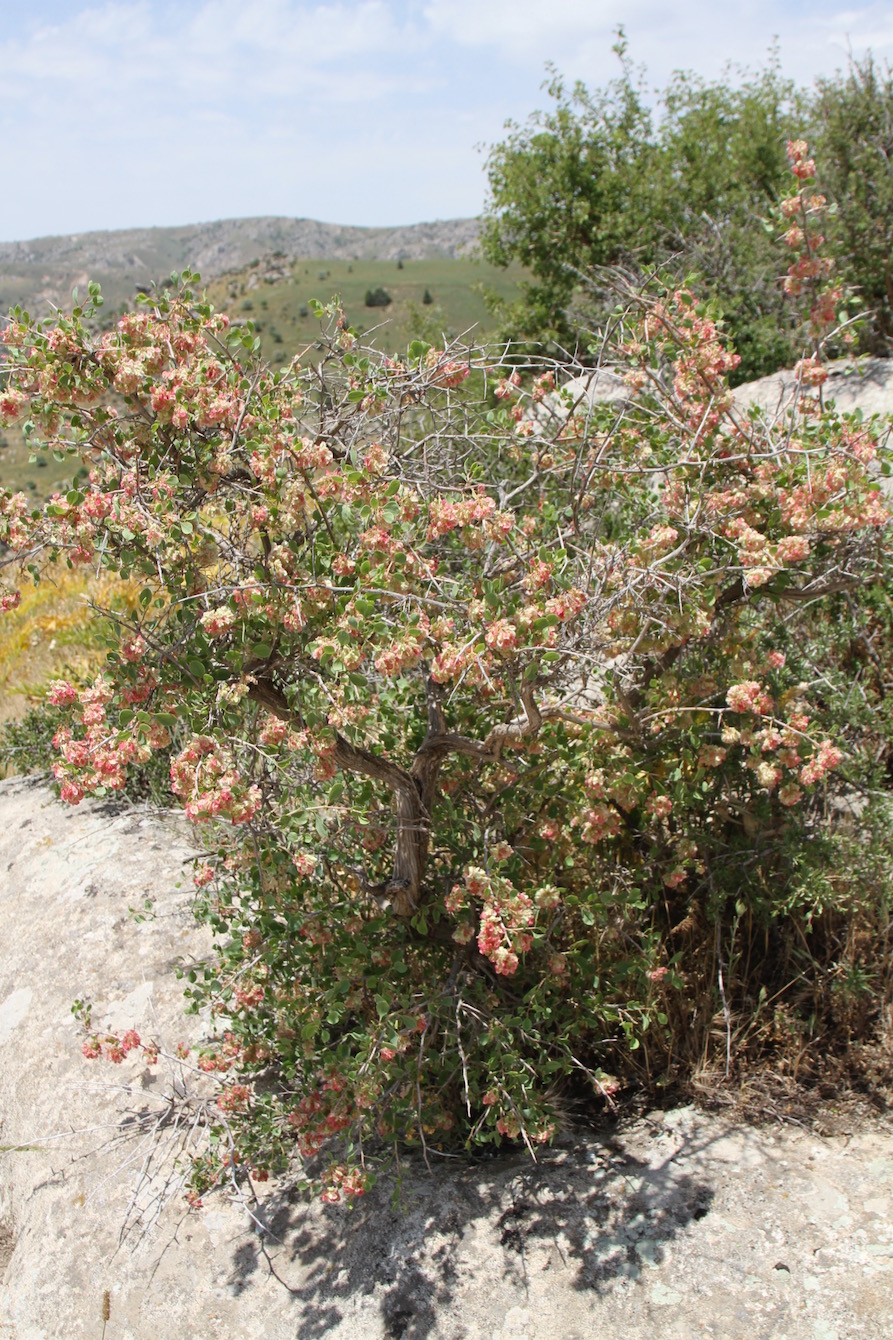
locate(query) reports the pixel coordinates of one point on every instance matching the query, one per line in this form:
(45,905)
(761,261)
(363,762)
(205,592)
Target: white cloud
(682,34)
(118,112)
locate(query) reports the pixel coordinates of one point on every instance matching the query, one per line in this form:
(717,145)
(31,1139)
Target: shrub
(377,297)
(515,718)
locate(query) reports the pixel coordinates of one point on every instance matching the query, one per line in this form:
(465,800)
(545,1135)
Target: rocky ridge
(46,268)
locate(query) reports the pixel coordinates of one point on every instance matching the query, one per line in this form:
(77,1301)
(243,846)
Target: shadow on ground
(410,1247)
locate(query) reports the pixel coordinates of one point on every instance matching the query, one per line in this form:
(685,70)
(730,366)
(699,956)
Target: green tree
(852,127)
(599,182)
(569,193)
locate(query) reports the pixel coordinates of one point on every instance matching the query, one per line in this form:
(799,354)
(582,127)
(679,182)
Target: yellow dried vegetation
(54,632)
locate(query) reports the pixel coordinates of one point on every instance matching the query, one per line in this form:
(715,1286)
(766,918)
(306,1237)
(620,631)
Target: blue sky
(119,113)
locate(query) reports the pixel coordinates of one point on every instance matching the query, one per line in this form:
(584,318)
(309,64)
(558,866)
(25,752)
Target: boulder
(865,384)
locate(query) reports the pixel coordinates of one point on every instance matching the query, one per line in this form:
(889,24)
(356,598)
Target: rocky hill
(44,270)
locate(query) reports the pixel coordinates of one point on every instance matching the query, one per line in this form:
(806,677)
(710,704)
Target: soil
(669,1224)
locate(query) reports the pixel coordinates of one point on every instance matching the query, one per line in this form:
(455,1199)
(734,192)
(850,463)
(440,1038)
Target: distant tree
(377,297)
(426,297)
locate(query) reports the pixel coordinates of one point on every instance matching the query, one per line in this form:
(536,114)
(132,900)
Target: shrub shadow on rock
(585,1216)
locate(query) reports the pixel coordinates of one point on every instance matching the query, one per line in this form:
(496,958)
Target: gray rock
(865,384)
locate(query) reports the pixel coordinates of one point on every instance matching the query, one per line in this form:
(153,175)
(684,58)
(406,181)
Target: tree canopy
(692,185)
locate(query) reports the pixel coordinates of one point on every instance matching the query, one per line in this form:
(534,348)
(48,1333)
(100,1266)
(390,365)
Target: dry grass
(53,632)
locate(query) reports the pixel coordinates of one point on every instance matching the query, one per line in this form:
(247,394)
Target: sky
(130,113)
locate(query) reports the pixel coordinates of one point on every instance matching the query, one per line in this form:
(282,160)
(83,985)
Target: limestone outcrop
(677,1225)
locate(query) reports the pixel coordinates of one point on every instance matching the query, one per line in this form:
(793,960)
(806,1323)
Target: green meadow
(277,298)
(282,314)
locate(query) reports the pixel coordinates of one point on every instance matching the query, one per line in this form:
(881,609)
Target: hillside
(432,298)
(268,270)
(44,270)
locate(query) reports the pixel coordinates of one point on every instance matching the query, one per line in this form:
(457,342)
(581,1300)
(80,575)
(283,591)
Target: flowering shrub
(497,711)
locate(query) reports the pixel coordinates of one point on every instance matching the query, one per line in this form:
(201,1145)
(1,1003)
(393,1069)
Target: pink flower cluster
(234,1098)
(448,514)
(749,696)
(505,918)
(405,652)
(452,662)
(598,823)
(203,775)
(321,1114)
(341,1180)
(99,757)
(13,404)
(112,1047)
(809,271)
(661,807)
(445,372)
(703,364)
(507,387)
(567,605)
(502,635)
(218,622)
(826,758)
(802,165)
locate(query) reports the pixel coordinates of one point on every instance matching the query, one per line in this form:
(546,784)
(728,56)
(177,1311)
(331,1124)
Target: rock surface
(678,1225)
(863,383)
